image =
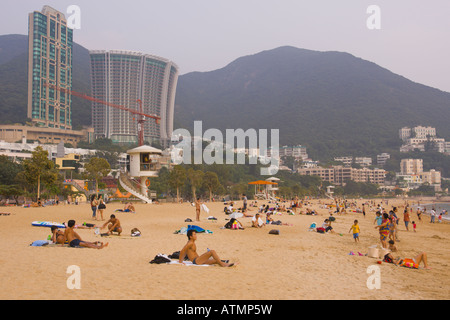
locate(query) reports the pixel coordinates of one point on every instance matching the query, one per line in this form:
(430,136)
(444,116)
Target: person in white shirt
(432,215)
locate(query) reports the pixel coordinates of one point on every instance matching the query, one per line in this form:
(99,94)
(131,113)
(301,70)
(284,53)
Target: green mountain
(14,81)
(331,102)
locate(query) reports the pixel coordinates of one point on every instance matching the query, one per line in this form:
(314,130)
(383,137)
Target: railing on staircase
(132,186)
(77,186)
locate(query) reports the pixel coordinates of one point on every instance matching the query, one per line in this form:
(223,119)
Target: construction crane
(140,121)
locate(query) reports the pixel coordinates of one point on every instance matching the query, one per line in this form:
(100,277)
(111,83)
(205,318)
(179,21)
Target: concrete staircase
(132,186)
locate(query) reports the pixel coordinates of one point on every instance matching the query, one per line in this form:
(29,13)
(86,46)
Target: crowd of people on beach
(386,221)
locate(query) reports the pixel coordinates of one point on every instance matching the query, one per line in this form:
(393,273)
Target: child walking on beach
(356,230)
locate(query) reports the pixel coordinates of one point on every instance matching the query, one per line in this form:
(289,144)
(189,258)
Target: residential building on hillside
(382,158)
(297,152)
(123,78)
(347,161)
(419,132)
(363,161)
(411,166)
(340,175)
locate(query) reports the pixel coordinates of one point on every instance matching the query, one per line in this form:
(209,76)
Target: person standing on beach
(94,205)
(356,230)
(244,207)
(406,218)
(419,214)
(101,207)
(384,230)
(432,215)
(198,204)
(378,218)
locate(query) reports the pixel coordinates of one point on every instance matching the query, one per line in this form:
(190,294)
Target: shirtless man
(197,209)
(114,225)
(190,250)
(75,240)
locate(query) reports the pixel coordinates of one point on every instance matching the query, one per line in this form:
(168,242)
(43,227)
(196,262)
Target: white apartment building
(340,174)
(382,158)
(419,132)
(347,161)
(363,161)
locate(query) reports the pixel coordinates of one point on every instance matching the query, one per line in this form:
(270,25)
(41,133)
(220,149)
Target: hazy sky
(203,35)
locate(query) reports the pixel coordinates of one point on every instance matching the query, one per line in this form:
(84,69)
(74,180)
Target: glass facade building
(50,44)
(124,77)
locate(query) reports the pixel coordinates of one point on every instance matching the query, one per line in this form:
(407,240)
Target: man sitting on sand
(75,240)
(257,221)
(190,250)
(114,225)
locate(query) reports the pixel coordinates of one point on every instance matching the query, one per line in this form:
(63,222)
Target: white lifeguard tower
(143,165)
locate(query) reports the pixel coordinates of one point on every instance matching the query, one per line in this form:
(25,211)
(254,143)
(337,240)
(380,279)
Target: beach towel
(196,228)
(40,243)
(205,208)
(189,264)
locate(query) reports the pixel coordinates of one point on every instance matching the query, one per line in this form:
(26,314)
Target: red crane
(139,113)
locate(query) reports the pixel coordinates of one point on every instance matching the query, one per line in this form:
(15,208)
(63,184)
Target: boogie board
(47,224)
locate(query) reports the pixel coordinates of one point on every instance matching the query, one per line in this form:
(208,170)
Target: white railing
(132,186)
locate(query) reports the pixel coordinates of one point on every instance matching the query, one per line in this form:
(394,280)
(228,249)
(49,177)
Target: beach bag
(135,232)
(229,223)
(320,230)
(160,258)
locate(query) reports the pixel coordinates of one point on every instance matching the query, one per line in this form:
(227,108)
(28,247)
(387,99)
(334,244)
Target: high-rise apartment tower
(49,61)
(123,78)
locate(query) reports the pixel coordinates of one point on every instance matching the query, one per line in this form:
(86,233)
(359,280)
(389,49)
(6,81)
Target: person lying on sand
(75,240)
(190,250)
(113,225)
(57,235)
(421,257)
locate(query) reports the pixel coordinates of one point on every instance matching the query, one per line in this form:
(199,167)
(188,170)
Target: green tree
(177,179)
(8,170)
(211,181)
(195,178)
(39,169)
(96,169)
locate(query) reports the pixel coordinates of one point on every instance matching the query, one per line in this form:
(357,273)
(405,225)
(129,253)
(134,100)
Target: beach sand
(294,265)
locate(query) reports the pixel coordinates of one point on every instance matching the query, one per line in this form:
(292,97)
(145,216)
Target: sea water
(438,207)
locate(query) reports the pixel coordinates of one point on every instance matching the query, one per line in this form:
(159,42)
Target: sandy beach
(295,265)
